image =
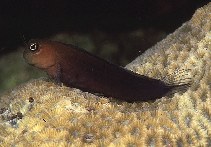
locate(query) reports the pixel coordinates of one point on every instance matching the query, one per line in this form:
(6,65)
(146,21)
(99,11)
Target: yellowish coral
(62,116)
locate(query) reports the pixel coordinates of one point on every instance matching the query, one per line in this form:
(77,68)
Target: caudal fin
(179,81)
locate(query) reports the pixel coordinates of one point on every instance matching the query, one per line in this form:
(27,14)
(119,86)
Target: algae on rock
(62,116)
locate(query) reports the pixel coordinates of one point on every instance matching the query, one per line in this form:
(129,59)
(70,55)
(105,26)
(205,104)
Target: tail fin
(179,81)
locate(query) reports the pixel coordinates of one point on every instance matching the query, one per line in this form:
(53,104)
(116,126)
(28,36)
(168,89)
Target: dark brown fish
(77,68)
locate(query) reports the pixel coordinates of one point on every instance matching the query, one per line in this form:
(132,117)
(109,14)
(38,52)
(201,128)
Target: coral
(44,114)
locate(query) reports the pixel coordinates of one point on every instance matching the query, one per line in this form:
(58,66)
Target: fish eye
(33,46)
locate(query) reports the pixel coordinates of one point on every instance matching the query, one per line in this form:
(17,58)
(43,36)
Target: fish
(77,68)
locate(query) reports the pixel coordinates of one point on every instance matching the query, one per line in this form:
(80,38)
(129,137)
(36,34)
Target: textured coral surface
(44,114)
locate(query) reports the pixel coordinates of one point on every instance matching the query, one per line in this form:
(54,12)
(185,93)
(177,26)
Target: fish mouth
(28,58)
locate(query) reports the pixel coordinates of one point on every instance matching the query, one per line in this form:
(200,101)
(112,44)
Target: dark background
(44,18)
(115,30)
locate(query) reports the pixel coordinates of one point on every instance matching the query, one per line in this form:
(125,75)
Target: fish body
(78,68)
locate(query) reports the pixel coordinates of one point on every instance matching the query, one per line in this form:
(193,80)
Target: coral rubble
(44,114)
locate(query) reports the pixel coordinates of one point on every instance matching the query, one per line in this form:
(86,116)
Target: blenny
(75,67)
